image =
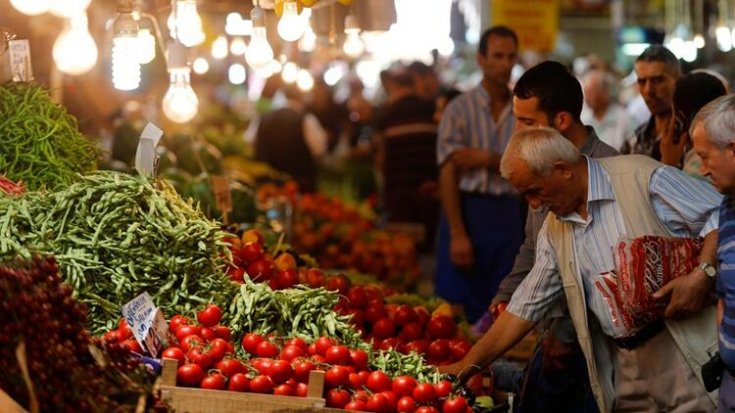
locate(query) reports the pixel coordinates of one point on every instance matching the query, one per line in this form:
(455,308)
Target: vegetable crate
(192,400)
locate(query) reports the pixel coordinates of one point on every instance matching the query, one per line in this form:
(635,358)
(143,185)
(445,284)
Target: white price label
(147,323)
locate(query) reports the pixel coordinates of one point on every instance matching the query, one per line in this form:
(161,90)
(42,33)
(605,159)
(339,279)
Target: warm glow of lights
(238,47)
(305,81)
(75,51)
(68,8)
(291,26)
(185,23)
(237,74)
(290,72)
(146,46)
(31,7)
(200,66)
(259,53)
(180,103)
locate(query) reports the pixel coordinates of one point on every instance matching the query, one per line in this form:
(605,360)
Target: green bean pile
(397,364)
(41,144)
(115,236)
(302,312)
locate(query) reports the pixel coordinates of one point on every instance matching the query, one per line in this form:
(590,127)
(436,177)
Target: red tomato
(375,311)
(219,348)
(124,329)
(284,390)
(391,398)
(250,342)
(298,342)
(174,353)
(215,381)
(230,367)
(443,388)
(359,359)
(261,384)
(188,330)
(315,277)
(222,332)
(378,403)
(419,346)
(266,349)
(406,404)
(384,328)
(176,322)
(378,382)
(208,334)
(239,382)
(311,349)
(280,371)
(190,342)
(373,293)
(132,345)
(390,343)
(356,382)
(411,332)
(198,355)
(439,349)
(210,316)
(236,274)
(287,278)
(337,376)
(424,393)
(426,409)
(260,271)
(322,345)
(338,355)
(455,405)
(339,283)
(251,252)
(356,406)
(301,370)
(404,314)
(422,315)
(356,297)
(460,349)
(404,385)
(290,353)
(189,375)
(361,395)
(261,365)
(441,326)
(302,389)
(337,398)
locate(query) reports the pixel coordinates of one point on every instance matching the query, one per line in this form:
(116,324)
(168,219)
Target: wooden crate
(8,405)
(192,400)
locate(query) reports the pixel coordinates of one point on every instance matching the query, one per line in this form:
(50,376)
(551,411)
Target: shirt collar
(598,182)
(592,140)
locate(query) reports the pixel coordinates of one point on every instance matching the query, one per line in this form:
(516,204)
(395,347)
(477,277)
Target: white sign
(145,156)
(20,60)
(147,323)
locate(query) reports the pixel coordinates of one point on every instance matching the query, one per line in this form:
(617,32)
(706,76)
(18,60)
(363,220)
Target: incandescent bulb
(68,8)
(31,7)
(185,23)
(74,51)
(290,72)
(180,104)
(724,39)
(291,26)
(219,48)
(237,74)
(353,45)
(146,46)
(259,53)
(699,40)
(238,47)
(307,43)
(305,81)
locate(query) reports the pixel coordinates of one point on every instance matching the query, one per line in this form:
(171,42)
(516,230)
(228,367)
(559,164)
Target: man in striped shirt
(480,228)
(593,204)
(713,133)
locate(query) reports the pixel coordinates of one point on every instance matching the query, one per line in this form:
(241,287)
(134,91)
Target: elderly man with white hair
(593,204)
(610,120)
(713,134)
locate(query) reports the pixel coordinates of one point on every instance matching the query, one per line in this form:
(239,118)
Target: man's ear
(730,149)
(563,168)
(562,121)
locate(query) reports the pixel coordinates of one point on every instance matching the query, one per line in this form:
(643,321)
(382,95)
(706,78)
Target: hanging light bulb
(259,53)
(291,26)
(74,51)
(185,23)
(304,80)
(699,40)
(237,74)
(307,43)
(68,8)
(125,52)
(290,72)
(146,46)
(219,48)
(180,104)
(31,7)
(353,45)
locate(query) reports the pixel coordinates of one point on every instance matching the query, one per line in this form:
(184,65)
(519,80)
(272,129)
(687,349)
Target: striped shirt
(468,123)
(726,280)
(686,206)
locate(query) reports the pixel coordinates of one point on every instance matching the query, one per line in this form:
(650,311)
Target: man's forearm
(505,333)
(449,193)
(709,248)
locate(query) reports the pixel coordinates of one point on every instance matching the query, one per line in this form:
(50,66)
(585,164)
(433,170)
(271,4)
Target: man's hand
(672,146)
(462,371)
(689,294)
(461,252)
(471,158)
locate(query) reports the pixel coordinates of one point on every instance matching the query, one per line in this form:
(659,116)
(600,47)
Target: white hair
(718,119)
(540,148)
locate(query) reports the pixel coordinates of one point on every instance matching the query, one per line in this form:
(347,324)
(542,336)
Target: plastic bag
(644,265)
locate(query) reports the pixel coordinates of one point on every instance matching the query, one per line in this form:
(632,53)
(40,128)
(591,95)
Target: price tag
(19,53)
(147,323)
(145,156)
(222,194)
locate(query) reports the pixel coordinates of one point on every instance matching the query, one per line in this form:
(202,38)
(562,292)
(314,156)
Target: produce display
(116,236)
(39,315)
(9,187)
(41,143)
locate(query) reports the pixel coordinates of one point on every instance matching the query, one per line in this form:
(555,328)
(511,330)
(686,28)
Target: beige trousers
(655,377)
